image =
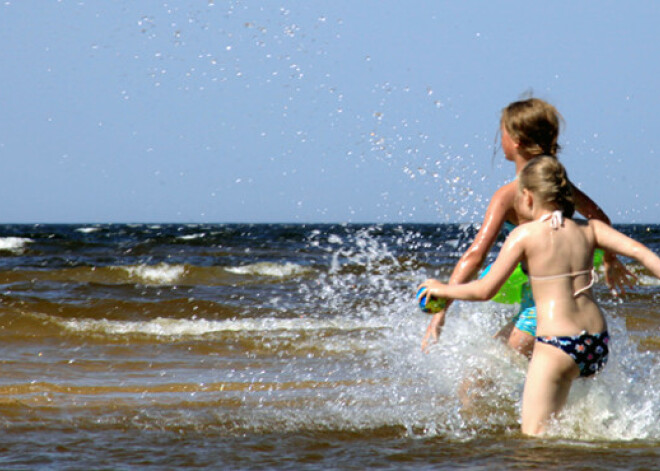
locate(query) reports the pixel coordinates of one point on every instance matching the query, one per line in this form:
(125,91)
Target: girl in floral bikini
(571,338)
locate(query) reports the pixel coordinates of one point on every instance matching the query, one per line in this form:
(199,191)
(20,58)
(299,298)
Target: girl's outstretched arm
(484,288)
(473,258)
(609,238)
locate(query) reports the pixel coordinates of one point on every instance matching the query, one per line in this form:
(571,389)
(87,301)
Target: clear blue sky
(315,111)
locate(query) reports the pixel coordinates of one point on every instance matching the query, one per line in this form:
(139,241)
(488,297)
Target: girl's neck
(542,212)
(520,160)
(555,217)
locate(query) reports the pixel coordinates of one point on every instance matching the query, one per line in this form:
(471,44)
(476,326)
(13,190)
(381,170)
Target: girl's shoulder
(539,227)
(501,206)
(595,223)
(507,189)
(525,230)
(593,226)
(505,195)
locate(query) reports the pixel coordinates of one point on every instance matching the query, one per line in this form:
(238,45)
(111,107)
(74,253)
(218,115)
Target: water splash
(156,274)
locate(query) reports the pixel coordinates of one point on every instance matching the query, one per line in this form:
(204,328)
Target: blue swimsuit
(525,319)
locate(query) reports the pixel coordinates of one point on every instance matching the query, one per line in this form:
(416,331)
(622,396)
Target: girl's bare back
(560,263)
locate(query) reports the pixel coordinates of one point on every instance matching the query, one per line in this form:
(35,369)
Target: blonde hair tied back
(547,178)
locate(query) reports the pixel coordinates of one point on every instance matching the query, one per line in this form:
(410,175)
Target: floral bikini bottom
(589,351)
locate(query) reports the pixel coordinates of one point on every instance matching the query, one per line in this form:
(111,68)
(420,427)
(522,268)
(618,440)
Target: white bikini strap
(594,278)
(556,219)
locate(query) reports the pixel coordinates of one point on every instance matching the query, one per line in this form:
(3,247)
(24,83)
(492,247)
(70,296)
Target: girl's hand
(433,330)
(617,275)
(434,288)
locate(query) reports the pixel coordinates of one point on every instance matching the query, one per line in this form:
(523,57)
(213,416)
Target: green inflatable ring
(510,291)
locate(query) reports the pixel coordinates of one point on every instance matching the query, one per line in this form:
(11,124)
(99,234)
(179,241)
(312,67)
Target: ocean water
(288,347)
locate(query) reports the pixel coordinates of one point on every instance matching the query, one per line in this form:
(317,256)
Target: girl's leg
(521,341)
(548,382)
(518,340)
(504,332)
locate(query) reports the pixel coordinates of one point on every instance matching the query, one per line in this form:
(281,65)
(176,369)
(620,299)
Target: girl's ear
(527,198)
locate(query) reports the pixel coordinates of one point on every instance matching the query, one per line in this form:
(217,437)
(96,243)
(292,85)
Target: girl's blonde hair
(534,125)
(546,177)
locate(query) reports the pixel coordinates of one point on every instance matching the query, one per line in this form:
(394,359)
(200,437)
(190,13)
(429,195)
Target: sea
(290,346)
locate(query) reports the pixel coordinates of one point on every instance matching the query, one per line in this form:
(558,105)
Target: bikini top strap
(556,221)
(594,278)
(592,271)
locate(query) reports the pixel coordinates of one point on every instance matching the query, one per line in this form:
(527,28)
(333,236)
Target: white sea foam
(14,244)
(192,236)
(196,327)
(646,280)
(622,402)
(156,274)
(269,269)
(87,230)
